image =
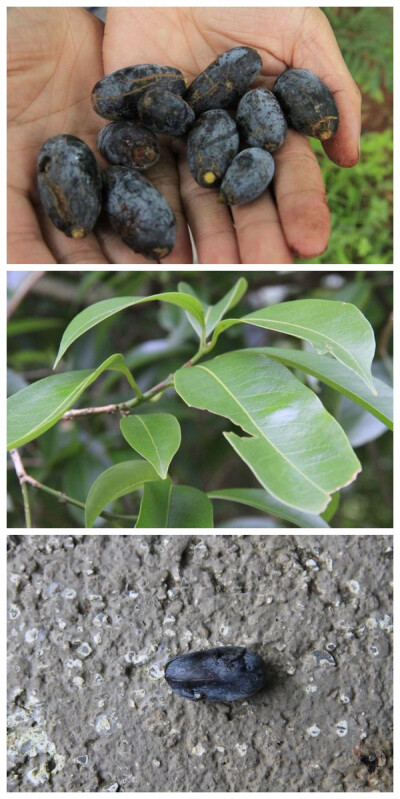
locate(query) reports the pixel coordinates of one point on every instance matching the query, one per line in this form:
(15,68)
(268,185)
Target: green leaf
(36,408)
(115,482)
(156,437)
(167,505)
(295,448)
(257,498)
(339,377)
(213,313)
(337,328)
(96,313)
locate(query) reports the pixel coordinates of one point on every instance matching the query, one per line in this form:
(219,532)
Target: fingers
(315,48)
(24,238)
(300,197)
(259,232)
(209,221)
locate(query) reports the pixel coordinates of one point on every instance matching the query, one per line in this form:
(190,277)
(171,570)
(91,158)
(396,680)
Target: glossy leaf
(100,311)
(337,328)
(214,313)
(294,447)
(115,482)
(334,374)
(35,409)
(167,505)
(261,500)
(155,436)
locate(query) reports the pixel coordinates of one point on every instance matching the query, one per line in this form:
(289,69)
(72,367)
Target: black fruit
(225,80)
(165,112)
(129,144)
(222,674)
(260,120)
(308,104)
(69,184)
(211,146)
(117,94)
(247,177)
(138,212)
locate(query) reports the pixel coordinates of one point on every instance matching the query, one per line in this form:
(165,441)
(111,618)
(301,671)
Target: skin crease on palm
(56,55)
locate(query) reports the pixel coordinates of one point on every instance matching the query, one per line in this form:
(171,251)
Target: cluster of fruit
(231,132)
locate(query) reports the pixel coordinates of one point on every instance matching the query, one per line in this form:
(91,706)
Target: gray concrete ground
(93,620)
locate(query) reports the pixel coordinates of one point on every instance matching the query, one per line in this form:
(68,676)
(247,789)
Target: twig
(26,479)
(122,407)
(23,480)
(23,289)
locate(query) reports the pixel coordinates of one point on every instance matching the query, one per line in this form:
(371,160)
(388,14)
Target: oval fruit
(222,674)
(260,120)
(128,143)
(211,146)
(138,212)
(224,81)
(247,177)
(165,112)
(308,104)
(116,95)
(69,184)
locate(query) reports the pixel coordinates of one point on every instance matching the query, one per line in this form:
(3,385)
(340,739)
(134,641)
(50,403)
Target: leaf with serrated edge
(297,451)
(115,482)
(165,505)
(156,437)
(36,408)
(99,311)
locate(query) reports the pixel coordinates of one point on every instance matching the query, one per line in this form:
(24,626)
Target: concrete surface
(94,618)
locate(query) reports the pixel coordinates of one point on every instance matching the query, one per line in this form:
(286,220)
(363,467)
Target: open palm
(57,55)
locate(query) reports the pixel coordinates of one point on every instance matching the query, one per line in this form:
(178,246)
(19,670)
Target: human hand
(54,58)
(272,228)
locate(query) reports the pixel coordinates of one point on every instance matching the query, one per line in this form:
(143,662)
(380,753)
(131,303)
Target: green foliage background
(157,339)
(361,199)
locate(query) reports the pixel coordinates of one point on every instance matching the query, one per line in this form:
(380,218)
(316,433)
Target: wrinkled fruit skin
(225,80)
(211,146)
(165,112)
(69,183)
(138,212)
(116,95)
(307,103)
(222,674)
(129,144)
(247,177)
(260,120)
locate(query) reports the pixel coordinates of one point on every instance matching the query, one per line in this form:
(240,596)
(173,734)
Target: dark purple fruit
(117,94)
(221,674)
(211,146)
(138,212)
(225,80)
(69,184)
(165,112)
(307,103)
(129,144)
(247,177)
(260,120)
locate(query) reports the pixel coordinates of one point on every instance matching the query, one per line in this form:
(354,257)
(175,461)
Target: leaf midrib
(281,454)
